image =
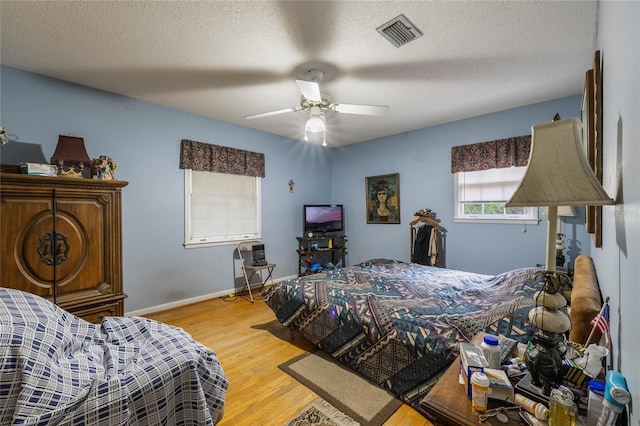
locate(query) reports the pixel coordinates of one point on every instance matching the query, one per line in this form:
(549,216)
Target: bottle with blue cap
(491,351)
(594,404)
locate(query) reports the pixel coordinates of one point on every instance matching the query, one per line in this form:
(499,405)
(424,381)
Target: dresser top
(24,179)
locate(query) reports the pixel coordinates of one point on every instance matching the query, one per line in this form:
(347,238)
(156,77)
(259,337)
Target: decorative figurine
(104,168)
(4,139)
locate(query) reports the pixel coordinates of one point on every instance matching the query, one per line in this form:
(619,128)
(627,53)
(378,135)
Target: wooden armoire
(61,238)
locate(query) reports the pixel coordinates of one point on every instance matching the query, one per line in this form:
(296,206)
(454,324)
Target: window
(220,208)
(480,196)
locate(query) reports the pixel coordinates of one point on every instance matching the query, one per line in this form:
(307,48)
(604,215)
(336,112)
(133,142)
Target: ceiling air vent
(399,31)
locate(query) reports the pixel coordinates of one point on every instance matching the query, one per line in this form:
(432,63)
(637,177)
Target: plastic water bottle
(491,351)
(594,407)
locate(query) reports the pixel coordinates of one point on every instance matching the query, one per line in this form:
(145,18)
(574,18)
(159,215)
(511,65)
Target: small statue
(104,168)
(544,361)
(4,139)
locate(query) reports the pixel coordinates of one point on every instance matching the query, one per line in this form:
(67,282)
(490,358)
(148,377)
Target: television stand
(320,253)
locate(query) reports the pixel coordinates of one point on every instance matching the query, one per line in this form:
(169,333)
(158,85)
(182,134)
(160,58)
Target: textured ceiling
(229,59)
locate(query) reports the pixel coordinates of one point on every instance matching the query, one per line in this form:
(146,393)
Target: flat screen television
(323,219)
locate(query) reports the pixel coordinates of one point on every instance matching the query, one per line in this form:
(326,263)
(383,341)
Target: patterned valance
(206,157)
(491,155)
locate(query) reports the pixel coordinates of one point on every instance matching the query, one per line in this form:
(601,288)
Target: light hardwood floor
(250,344)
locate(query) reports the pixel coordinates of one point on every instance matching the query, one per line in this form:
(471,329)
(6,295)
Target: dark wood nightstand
(448,404)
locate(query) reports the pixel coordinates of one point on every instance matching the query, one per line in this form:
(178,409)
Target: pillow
(586,301)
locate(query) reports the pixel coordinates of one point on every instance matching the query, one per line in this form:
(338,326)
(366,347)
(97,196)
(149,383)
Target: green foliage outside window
(491,209)
(494,208)
(475,208)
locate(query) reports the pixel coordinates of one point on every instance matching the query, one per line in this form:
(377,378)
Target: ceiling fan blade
(310,90)
(360,109)
(267,114)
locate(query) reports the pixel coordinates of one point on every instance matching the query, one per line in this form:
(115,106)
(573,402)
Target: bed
(56,368)
(399,324)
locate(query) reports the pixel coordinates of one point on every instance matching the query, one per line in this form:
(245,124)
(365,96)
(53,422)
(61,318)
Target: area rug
(321,413)
(350,393)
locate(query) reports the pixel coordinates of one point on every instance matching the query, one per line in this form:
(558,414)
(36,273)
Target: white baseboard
(189,301)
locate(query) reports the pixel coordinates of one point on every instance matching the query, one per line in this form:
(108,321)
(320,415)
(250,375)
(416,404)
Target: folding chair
(252,274)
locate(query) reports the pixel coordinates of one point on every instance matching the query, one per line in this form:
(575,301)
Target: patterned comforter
(56,368)
(399,324)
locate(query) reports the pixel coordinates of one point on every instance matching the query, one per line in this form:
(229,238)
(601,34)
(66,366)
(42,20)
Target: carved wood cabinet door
(62,240)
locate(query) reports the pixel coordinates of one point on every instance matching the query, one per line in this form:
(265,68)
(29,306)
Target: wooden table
(448,404)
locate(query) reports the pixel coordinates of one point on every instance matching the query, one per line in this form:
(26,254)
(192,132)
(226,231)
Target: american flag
(601,322)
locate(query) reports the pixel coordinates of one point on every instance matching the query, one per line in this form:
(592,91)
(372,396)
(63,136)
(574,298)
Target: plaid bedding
(57,369)
(399,324)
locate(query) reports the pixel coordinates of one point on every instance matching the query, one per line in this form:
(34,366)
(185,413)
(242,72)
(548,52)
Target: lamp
(315,127)
(558,174)
(70,152)
(563,211)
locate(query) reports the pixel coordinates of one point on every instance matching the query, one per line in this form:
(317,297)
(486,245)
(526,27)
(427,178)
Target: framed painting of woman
(383,198)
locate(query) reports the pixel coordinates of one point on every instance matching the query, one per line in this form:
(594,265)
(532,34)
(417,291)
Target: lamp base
(560,250)
(544,360)
(528,389)
(71,171)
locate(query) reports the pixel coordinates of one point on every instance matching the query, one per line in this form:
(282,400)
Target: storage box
(574,376)
(500,386)
(36,169)
(471,360)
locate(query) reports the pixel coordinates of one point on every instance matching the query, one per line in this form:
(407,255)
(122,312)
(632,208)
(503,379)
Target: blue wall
(618,261)
(423,160)
(144,139)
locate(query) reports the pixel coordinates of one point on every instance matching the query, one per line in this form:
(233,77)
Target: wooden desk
(448,404)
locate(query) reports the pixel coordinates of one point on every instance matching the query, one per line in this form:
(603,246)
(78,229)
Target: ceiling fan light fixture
(315,127)
(315,124)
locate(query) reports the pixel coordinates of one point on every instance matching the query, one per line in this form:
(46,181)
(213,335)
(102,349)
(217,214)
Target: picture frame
(382,194)
(588,138)
(592,135)
(597,117)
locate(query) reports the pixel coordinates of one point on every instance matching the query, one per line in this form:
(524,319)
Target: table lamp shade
(558,173)
(71,150)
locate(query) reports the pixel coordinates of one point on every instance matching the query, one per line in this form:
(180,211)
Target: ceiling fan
(313,101)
